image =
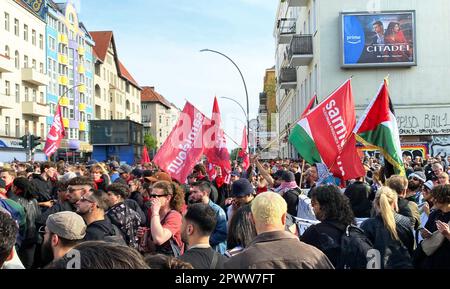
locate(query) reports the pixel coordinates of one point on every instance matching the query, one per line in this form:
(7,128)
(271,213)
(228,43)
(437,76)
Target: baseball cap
(124,169)
(161,176)
(241,187)
(235,174)
(91,163)
(429,184)
(419,175)
(67,225)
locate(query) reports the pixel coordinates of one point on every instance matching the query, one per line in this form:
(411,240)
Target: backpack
(354,248)
(304,207)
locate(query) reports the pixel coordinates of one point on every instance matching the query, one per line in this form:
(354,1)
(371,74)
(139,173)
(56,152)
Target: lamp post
(245,86)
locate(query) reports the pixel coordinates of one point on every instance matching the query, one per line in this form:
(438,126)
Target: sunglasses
(157,196)
(83,199)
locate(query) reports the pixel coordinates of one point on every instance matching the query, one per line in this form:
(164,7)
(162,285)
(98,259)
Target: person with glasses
(121,214)
(92,208)
(164,233)
(415,183)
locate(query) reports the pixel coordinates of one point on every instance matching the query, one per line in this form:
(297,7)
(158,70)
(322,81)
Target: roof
(102,41)
(148,94)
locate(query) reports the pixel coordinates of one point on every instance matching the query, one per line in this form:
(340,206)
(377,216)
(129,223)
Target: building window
(42,130)
(25,61)
(25,32)
(160,119)
(42,97)
(17,127)
(17,60)
(41,41)
(27,127)
(52,43)
(27,95)
(41,68)
(71,114)
(7,126)
(33,37)
(34,128)
(33,64)
(7,51)
(34,95)
(17,93)
(16,26)
(7,88)
(6,21)
(52,108)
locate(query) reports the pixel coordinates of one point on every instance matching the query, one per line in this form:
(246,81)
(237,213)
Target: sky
(160,41)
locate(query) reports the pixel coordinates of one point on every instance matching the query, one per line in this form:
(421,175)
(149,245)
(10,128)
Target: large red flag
(56,133)
(214,142)
(332,123)
(184,146)
(244,152)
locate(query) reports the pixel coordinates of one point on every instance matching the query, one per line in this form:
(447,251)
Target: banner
(378,39)
(184,146)
(56,133)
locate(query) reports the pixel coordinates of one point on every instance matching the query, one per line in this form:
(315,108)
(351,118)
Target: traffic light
(34,141)
(24,141)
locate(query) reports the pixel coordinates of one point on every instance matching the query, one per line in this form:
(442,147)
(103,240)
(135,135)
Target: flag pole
(301,176)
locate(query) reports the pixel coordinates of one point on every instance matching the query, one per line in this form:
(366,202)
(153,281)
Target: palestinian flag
(378,127)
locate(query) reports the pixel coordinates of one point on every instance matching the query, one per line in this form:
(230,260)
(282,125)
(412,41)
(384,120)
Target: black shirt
(98,230)
(441,258)
(291,198)
(201,258)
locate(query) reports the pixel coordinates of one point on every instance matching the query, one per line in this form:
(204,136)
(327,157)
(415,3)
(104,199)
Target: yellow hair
(385,198)
(268,208)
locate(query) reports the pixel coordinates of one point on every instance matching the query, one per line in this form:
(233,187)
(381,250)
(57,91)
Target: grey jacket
(279,250)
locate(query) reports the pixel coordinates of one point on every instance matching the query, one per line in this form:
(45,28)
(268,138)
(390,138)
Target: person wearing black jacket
(92,208)
(358,194)
(43,184)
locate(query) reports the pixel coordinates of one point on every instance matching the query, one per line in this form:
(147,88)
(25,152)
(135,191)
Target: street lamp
(245,86)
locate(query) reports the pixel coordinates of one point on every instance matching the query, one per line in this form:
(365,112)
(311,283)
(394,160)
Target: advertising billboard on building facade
(383,39)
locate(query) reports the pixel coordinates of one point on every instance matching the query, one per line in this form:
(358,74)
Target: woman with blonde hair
(390,232)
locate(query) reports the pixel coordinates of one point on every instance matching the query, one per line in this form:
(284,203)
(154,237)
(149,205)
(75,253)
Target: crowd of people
(276,214)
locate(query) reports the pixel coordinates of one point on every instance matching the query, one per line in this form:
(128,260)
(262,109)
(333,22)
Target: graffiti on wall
(440,146)
(412,150)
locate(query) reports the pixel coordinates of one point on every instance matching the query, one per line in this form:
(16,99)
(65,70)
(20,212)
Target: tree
(150,142)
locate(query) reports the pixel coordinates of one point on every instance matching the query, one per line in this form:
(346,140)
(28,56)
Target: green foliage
(150,142)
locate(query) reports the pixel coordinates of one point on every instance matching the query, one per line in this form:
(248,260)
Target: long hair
(333,204)
(384,200)
(241,229)
(26,187)
(174,190)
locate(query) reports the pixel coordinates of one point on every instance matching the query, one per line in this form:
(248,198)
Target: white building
(309,60)
(23,77)
(159,116)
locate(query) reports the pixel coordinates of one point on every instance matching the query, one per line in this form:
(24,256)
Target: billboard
(382,39)
(115,132)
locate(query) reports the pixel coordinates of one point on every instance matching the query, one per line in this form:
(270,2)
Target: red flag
(309,106)
(184,146)
(56,133)
(145,156)
(214,142)
(244,152)
(332,123)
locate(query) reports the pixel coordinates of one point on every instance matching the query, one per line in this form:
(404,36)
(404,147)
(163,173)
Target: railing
(287,74)
(300,45)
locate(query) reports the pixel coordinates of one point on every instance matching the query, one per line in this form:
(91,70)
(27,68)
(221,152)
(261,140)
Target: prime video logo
(353,39)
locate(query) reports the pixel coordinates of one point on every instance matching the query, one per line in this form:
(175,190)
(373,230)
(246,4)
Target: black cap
(242,187)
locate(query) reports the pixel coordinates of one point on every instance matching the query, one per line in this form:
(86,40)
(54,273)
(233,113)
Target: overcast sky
(159,43)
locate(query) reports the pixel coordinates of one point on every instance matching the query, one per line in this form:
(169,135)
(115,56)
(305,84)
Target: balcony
(82,126)
(286,28)
(5,102)
(34,77)
(6,64)
(81,69)
(64,101)
(34,109)
(82,107)
(66,122)
(82,89)
(81,50)
(147,124)
(62,38)
(297,3)
(300,51)
(63,80)
(288,78)
(62,59)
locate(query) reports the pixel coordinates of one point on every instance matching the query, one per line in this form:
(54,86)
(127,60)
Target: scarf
(286,186)
(220,181)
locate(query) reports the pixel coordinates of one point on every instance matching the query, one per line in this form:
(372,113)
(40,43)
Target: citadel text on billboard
(378,39)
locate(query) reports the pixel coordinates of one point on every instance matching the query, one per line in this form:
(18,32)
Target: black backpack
(354,248)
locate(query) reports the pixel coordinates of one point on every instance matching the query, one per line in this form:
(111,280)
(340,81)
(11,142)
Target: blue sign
(39,7)
(378,39)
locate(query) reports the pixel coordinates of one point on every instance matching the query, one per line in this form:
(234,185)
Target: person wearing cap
(290,191)
(63,231)
(243,193)
(113,167)
(125,174)
(415,183)
(427,206)
(160,176)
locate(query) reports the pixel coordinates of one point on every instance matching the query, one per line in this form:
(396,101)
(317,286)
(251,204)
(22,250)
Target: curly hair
(119,189)
(173,189)
(333,204)
(441,194)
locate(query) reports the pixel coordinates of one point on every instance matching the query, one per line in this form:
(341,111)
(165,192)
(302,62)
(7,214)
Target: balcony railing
(288,78)
(35,109)
(33,76)
(297,3)
(300,51)
(286,28)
